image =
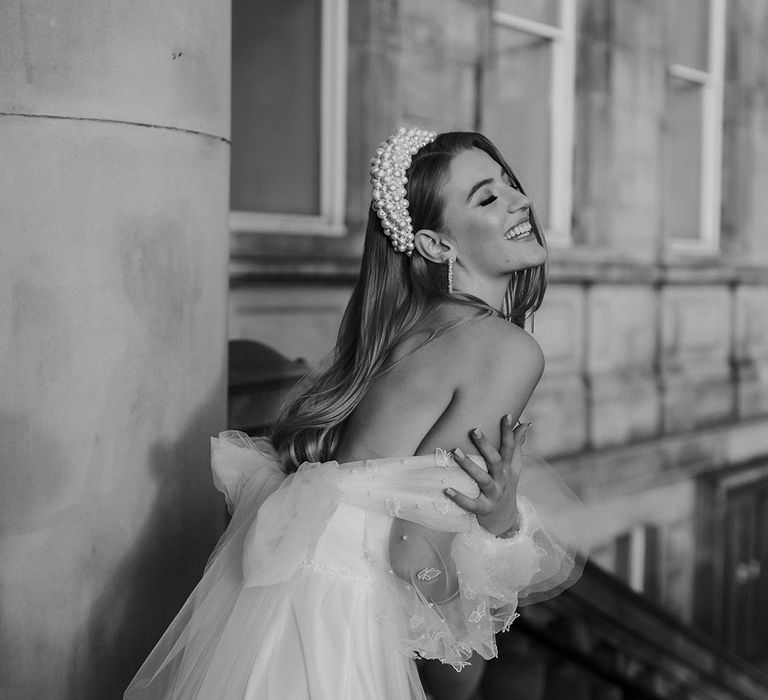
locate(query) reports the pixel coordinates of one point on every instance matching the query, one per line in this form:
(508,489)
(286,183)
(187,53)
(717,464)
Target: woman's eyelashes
(506,181)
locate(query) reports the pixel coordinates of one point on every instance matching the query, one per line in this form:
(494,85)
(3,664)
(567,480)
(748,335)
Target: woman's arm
(488,370)
(422,556)
(497,372)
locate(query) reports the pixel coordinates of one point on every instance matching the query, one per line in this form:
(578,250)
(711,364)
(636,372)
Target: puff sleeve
(458,591)
(238,460)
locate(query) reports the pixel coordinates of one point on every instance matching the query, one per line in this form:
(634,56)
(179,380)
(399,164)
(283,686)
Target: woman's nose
(517,200)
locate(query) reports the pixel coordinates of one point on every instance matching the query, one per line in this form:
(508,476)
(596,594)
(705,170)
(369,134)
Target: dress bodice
(352,538)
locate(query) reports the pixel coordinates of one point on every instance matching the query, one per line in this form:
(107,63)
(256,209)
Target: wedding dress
(299,599)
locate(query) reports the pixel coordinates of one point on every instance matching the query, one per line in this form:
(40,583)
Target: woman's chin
(533,257)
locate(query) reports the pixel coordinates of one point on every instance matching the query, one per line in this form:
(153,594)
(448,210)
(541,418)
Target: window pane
(275,106)
(689,32)
(682,159)
(539,10)
(517,110)
(623,561)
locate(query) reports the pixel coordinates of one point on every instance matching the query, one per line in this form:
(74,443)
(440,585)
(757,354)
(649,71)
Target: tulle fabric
(299,599)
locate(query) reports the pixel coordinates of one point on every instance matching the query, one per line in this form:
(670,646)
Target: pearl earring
(451,260)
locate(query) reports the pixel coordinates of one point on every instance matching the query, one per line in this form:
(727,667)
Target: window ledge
(276,259)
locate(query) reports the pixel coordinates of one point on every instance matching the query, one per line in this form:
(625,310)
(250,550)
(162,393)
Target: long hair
(392,293)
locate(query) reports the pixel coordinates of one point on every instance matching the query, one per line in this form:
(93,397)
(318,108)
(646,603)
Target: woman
(395,549)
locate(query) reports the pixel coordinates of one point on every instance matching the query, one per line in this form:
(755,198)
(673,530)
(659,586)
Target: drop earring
(451,260)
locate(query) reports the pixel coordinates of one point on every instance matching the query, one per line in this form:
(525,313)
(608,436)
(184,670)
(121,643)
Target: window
(288,116)
(693,124)
(636,559)
(528,106)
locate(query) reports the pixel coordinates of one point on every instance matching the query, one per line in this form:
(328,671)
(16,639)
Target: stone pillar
(114,127)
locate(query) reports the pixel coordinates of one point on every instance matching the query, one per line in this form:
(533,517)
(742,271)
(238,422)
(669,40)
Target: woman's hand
(496,506)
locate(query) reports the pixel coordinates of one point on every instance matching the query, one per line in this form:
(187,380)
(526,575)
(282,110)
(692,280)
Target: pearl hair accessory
(388,181)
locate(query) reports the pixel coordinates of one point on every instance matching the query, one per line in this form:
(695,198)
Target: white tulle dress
(299,600)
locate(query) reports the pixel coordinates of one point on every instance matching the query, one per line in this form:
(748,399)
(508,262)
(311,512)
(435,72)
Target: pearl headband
(388,181)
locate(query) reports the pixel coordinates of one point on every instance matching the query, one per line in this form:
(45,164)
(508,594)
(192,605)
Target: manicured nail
(476,432)
(458,453)
(509,419)
(450,492)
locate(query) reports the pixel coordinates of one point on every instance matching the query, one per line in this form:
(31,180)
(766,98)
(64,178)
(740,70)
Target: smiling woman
(484,211)
(357,542)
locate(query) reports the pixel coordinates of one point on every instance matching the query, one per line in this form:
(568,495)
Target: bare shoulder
(493,348)
(494,367)
(511,336)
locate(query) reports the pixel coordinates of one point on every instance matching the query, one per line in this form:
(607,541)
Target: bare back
(432,396)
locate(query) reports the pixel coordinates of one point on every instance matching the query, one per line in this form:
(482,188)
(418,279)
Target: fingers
(471,505)
(488,451)
(507,445)
(483,444)
(498,485)
(508,455)
(516,458)
(519,433)
(475,471)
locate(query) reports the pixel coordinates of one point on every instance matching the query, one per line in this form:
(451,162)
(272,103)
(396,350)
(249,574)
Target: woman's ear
(433,246)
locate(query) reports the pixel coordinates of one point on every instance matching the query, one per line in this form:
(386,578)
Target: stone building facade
(640,129)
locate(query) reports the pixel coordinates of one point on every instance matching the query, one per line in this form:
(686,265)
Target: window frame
(562,116)
(637,558)
(333,115)
(711,82)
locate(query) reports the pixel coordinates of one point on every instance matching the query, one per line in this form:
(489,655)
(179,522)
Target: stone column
(114,128)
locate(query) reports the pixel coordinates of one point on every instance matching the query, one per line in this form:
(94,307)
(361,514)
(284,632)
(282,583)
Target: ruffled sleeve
(237,459)
(466,588)
(501,569)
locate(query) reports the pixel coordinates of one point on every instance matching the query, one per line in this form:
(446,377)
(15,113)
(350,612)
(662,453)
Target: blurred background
(183,197)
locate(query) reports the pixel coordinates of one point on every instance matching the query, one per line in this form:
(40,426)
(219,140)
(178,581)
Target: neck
(490,290)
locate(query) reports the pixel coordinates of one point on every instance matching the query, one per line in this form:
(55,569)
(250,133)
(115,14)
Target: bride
(357,543)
